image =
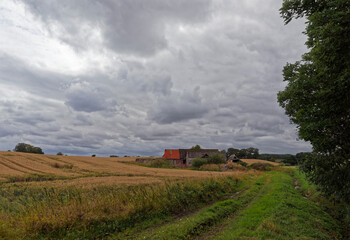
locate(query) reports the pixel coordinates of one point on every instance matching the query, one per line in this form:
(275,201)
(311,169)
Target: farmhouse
(180,157)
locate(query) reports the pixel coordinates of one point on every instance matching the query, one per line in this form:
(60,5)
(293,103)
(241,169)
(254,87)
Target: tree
(317,95)
(231,151)
(243,153)
(216,158)
(59,154)
(197,147)
(27,148)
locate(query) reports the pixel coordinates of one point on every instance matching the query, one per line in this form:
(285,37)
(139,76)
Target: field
(56,171)
(67,197)
(251,161)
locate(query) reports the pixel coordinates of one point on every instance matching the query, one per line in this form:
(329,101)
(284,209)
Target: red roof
(171,154)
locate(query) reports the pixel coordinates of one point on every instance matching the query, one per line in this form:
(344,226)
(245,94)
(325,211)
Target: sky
(134,77)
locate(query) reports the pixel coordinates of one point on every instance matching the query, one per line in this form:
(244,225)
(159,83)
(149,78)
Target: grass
(282,213)
(57,214)
(103,198)
(188,227)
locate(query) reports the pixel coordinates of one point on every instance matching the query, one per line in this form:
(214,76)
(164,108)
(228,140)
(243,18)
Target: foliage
(216,158)
(248,153)
(160,163)
(210,167)
(198,162)
(261,166)
(27,148)
(317,94)
(197,147)
(59,154)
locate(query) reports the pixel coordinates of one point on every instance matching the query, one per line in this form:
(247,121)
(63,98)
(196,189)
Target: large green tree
(27,148)
(317,95)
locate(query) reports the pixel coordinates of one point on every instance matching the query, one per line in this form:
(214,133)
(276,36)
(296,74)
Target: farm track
(198,224)
(259,212)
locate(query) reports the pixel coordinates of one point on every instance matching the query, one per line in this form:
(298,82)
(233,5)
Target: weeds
(56,213)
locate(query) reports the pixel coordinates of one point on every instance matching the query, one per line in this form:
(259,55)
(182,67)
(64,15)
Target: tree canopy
(248,153)
(317,95)
(27,148)
(197,147)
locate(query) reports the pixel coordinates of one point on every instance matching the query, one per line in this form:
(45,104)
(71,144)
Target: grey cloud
(142,99)
(178,107)
(131,27)
(82,97)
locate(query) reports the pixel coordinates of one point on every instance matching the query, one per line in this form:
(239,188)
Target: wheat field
(85,172)
(251,161)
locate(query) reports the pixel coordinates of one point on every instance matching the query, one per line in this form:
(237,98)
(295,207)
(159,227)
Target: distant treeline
(253,153)
(285,158)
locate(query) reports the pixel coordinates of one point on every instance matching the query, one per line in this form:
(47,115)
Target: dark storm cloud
(130,27)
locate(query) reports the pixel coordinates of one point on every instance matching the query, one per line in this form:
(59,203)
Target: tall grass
(58,213)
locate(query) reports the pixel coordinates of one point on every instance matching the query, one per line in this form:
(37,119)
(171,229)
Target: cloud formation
(135,77)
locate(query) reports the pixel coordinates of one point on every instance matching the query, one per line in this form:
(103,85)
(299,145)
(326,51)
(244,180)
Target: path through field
(269,208)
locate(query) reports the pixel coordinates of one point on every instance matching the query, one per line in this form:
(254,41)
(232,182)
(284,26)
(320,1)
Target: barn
(184,157)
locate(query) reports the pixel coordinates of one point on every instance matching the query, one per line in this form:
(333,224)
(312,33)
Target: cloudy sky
(134,77)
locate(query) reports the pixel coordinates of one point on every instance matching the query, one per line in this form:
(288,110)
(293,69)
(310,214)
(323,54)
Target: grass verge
(281,213)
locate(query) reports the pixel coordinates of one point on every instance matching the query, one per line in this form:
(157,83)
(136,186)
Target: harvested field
(251,161)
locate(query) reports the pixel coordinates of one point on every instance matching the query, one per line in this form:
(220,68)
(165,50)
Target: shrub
(160,163)
(198,162)
(113,156)
(216,159)
(209,167)
(261,166)
(244,164)
(59,153)
(93,155)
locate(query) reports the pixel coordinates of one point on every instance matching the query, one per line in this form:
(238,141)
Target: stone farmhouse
(183,157)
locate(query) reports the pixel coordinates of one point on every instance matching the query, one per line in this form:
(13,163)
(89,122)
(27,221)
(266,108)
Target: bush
(160,163)
(216,159)
(198,162)
(244,164)
(59,153)
(209,167)
(261,166)
(93,155)
(113,156)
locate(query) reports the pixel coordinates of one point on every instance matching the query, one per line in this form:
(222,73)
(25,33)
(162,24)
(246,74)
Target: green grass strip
(281,213)
(191,226)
